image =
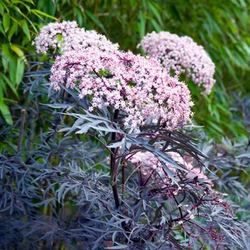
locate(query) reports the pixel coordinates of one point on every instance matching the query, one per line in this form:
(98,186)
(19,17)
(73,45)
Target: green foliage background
(222,27)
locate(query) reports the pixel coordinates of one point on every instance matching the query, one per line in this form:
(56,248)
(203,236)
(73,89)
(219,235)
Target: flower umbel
(67,36)
(137,86)
(181,55)
(153,171)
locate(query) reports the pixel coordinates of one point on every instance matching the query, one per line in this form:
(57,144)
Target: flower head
(133,84)
(67,36)
(181,55)
(51,36)
(153,171)
(82,39)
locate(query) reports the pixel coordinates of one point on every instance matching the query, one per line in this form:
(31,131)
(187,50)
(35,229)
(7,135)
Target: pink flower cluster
(152,170)
(82,39)
(67,36)
(94,66)
(181,55)
(133,84)
(51,35)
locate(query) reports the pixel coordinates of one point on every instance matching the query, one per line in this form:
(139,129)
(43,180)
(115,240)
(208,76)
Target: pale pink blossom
(51,36)
(153,171)
(137,86)
(181,55)
(82,39)
(67,36)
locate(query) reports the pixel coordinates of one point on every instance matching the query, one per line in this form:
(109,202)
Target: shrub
(58,195)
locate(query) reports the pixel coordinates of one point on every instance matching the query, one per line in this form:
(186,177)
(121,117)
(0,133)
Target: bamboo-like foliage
(18,25)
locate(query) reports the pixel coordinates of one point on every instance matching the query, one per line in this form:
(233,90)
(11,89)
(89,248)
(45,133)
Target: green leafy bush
(19,22)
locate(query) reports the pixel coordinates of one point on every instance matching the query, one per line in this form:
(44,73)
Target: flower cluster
(67,36)
(51,35)
(181,55)
(82,39)
(135,85)
(108,77)
(152,170)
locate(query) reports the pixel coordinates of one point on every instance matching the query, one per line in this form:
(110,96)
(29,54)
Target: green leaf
(25,28)
(42,14)
(1,9)
(96,21)
(6,50)
(12,30)
(6,22)
(47,6)
(19,71)
(156,25)
(4,109)
(156,12)
(8,61)
(17,50)
(5,64)
(29,1)
(79,16)
(216,127)
(12,70)
(5,80)
(142,24)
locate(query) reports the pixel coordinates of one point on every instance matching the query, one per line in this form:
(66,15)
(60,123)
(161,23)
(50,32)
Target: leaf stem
(114,165)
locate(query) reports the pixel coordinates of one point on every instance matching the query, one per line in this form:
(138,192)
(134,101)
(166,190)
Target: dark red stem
(114,166)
